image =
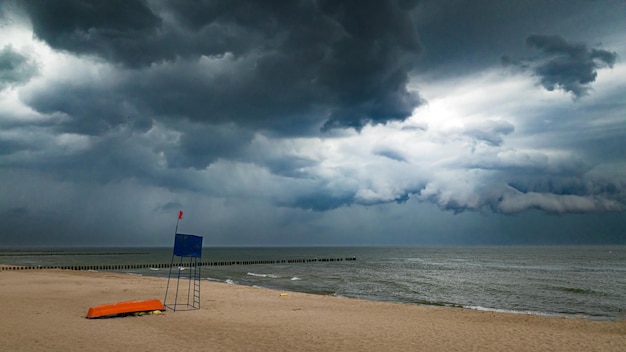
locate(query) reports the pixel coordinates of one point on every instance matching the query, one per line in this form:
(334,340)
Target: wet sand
(44,310)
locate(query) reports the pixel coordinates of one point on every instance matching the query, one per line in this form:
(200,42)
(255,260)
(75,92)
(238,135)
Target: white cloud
(515,202)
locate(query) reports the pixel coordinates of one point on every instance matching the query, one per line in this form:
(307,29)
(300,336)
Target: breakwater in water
(168,265)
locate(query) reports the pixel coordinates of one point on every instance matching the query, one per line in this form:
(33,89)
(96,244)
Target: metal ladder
(196,285)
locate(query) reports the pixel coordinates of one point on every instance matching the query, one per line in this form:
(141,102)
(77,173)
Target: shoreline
(5,267)
(45,310)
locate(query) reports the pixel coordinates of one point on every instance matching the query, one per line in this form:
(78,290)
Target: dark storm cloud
(320,201)
(466,36)
(144,108)
(115,29)
(15,68)
(330,199)
(200,146)
(344,61)
(570,67)
(91,106)
(291,167)
(371,60)
(462,37)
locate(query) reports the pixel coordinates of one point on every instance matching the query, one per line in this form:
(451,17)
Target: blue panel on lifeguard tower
(188,245)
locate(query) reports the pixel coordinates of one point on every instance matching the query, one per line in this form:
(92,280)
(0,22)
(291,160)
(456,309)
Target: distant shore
(45,310)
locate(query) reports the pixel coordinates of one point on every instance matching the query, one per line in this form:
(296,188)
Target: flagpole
(180,216)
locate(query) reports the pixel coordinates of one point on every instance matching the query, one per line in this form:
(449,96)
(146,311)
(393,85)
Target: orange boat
(123,308)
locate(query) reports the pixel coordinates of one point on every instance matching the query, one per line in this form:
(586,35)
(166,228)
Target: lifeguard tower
(185,265)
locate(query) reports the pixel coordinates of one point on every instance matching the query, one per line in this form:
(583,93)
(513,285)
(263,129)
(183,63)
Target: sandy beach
(44,310)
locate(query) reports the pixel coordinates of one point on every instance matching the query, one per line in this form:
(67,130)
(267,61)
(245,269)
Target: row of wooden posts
(162,266)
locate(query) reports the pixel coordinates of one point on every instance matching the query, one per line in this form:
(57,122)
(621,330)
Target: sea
(561,281)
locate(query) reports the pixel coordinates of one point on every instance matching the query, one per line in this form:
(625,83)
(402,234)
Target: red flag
(180,214)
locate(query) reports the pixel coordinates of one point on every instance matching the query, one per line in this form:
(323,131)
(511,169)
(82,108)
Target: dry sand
(44,310)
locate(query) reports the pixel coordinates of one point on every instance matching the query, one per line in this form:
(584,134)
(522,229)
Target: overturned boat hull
(124,308)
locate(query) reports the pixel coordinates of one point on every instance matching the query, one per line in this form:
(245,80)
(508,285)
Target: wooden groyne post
(116,267)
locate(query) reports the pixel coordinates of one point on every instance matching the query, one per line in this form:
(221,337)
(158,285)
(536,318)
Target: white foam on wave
(154,269)
(230,281)
(273,276)
(509,311)
(295,278)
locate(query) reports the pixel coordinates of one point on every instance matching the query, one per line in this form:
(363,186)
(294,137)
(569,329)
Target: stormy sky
(312,122)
